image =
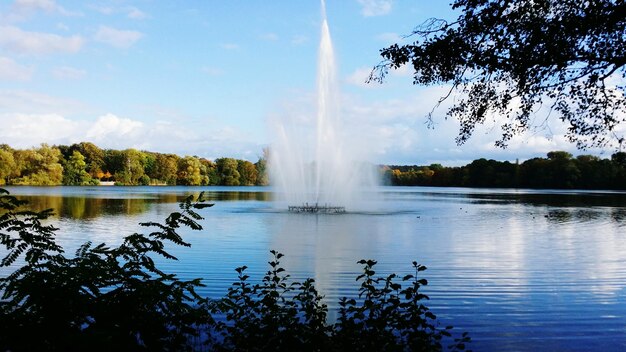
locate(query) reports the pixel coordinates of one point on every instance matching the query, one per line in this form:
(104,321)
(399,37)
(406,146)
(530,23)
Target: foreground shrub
(279,315)
(102,297)
(106,298)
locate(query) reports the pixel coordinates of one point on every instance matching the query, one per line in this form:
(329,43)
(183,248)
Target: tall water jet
(319,164)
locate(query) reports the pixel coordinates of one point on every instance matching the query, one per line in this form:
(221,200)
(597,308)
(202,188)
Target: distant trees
(263,178)
(559,170)
(166,168)
(94,158)
(189,172)
(74,171)
(247,173)
(67,165)
(209,169)
(85,164)
(227,171)
(7,165)
(38,166)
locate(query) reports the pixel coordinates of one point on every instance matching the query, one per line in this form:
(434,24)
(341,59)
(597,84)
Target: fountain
(320,168)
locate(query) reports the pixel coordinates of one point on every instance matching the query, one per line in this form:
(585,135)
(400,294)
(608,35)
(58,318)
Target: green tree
(534,173)
(7,166)
(595,173)
(135,161)
(166,168)
(94,157)
(247,173)
(619,161)
(263,177)
(210,171)
(227,171)
(114,161)
(39,166)
(563,170)
(509,56)
(480,173)
(129,165)
(149,164)
(619,158)
(189,171)
(74,171)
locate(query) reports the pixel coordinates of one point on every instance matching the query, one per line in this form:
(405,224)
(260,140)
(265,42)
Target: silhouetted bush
(115,298)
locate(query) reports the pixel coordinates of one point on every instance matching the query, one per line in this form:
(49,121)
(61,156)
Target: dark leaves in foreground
(103,297)
(280,315)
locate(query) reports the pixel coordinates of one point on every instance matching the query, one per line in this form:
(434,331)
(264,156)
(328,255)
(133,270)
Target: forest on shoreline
(84,163)
(559,170)
(87,164)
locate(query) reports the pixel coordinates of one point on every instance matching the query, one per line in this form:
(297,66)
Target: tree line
(558,170)
(86,164)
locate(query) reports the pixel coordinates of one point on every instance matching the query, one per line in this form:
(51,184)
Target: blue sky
(205,77)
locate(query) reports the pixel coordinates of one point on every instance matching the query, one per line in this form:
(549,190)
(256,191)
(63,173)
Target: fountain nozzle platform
(316,208)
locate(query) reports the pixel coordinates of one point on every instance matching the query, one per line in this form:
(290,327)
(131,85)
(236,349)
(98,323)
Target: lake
(520,270)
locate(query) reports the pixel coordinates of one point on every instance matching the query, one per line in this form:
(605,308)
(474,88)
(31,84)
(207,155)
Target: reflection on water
(619,215)
(70,202)
(89,208)
(576,215)
(519,270)
(235,195)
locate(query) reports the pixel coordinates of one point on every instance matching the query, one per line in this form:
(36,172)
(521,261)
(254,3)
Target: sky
(207,77)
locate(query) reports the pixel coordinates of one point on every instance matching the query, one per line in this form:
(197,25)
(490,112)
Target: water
(519,270)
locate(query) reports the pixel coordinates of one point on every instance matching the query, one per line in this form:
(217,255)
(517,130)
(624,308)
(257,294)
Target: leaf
(203,205)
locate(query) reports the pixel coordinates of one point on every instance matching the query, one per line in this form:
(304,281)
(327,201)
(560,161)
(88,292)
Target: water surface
(518,269)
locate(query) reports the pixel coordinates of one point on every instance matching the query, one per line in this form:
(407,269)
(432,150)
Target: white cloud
(12,101)
(112,131)
(395,132)
(402,71)
(15,40)
(110,127)
(22,9)
(130,11)
(389,38)
(26,5)
(109,131)
(28,130)
(359,78)
(298,39)
(62,26)
(136,14)
(117,37)
(375,7)
(68,73)
(11,70)
(105,10)
(270,37)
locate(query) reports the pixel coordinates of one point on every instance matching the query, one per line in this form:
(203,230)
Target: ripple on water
(518,270)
